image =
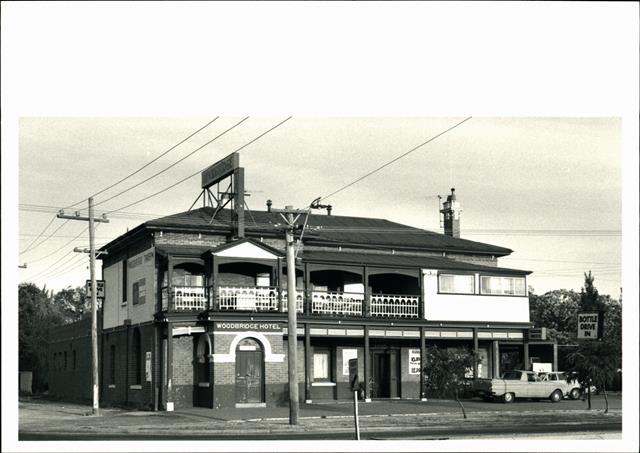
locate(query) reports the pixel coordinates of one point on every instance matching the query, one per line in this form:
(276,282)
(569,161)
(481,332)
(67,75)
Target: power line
(50,208)
(394,160)
(47,238)
(39,235)
(60,248)
(175,163)
(194,174)
(147,164)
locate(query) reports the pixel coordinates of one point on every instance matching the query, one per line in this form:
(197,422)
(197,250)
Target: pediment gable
(246,249)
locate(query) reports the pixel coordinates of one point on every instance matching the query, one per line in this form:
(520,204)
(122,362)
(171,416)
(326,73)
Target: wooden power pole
(94,297)
(288,214)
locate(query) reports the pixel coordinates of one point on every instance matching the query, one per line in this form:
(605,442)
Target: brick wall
(119,383)
(173,238)
(71,381)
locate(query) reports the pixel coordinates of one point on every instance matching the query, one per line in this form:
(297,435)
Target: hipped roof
(331,230)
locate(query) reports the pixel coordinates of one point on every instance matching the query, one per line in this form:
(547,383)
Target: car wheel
(556,396)
(508,398)
(575,394)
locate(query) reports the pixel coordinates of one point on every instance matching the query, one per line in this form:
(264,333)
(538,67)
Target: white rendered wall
(454,307)
(142,266)
(113,312)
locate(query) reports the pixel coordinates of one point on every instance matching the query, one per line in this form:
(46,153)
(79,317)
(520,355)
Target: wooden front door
(386,374)
(249,372)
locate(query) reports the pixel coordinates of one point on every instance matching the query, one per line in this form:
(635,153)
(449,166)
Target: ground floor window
(321,365)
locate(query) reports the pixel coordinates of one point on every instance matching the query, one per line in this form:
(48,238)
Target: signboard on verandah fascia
(590,325)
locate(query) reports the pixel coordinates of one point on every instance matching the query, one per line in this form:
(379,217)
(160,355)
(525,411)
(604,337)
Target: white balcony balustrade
(336,303)
(299,301)
(394,306)
(248,298)
(185,298)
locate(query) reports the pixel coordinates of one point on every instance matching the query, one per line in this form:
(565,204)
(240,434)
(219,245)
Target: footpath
(379,419)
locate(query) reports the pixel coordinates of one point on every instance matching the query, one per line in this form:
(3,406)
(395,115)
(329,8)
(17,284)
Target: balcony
(336,303)
(266,299)
(395,306)
(185,298)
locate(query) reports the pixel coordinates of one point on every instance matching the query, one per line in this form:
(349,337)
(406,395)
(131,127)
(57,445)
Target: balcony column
(367,390)
(525,355)
(420,296)
(475,352)
(366,306)
(423,361)
(307,363)
(170,285)
(280,287)
(307,290)
(496,359)
(555,357)
(213,296)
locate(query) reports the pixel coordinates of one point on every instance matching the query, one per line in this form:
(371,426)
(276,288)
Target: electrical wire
(60,248)
(47,238)
(394,159)
(39,235)
(148,163)
(194,174)
(173,164)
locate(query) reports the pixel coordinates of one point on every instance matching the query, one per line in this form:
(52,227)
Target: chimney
(269,203)
(451,210)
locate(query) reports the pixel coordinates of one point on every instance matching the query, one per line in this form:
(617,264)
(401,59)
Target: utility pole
(94,296)
(288,214)
(292,325)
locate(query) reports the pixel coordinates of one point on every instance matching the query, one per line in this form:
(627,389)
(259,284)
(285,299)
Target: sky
(547,188)
(546,166)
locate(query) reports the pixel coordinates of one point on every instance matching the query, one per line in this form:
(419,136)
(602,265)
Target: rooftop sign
(220,170)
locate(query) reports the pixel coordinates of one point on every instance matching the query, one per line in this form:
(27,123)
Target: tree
(590,300)
(446,370)
(557,311)
(599,361)
(36,317)
(72,303)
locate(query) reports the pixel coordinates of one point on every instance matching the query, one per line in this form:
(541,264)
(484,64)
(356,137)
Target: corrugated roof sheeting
(422,262)
(332,229)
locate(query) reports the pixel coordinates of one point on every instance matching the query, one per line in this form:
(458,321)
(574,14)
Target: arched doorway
(249,372)
(203,392)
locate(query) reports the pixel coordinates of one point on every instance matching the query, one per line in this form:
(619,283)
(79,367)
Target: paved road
(413,434)
(436,419)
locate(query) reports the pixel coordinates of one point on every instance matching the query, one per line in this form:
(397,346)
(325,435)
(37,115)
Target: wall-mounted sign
(99,285)
(220,170)
(538,333)
(254,326)
(414,361)
(147,366)
(589,326)
(348,354)
(353,374)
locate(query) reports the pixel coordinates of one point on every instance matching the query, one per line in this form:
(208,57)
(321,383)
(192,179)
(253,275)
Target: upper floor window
(139,291)
(456,284)
(512,286)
